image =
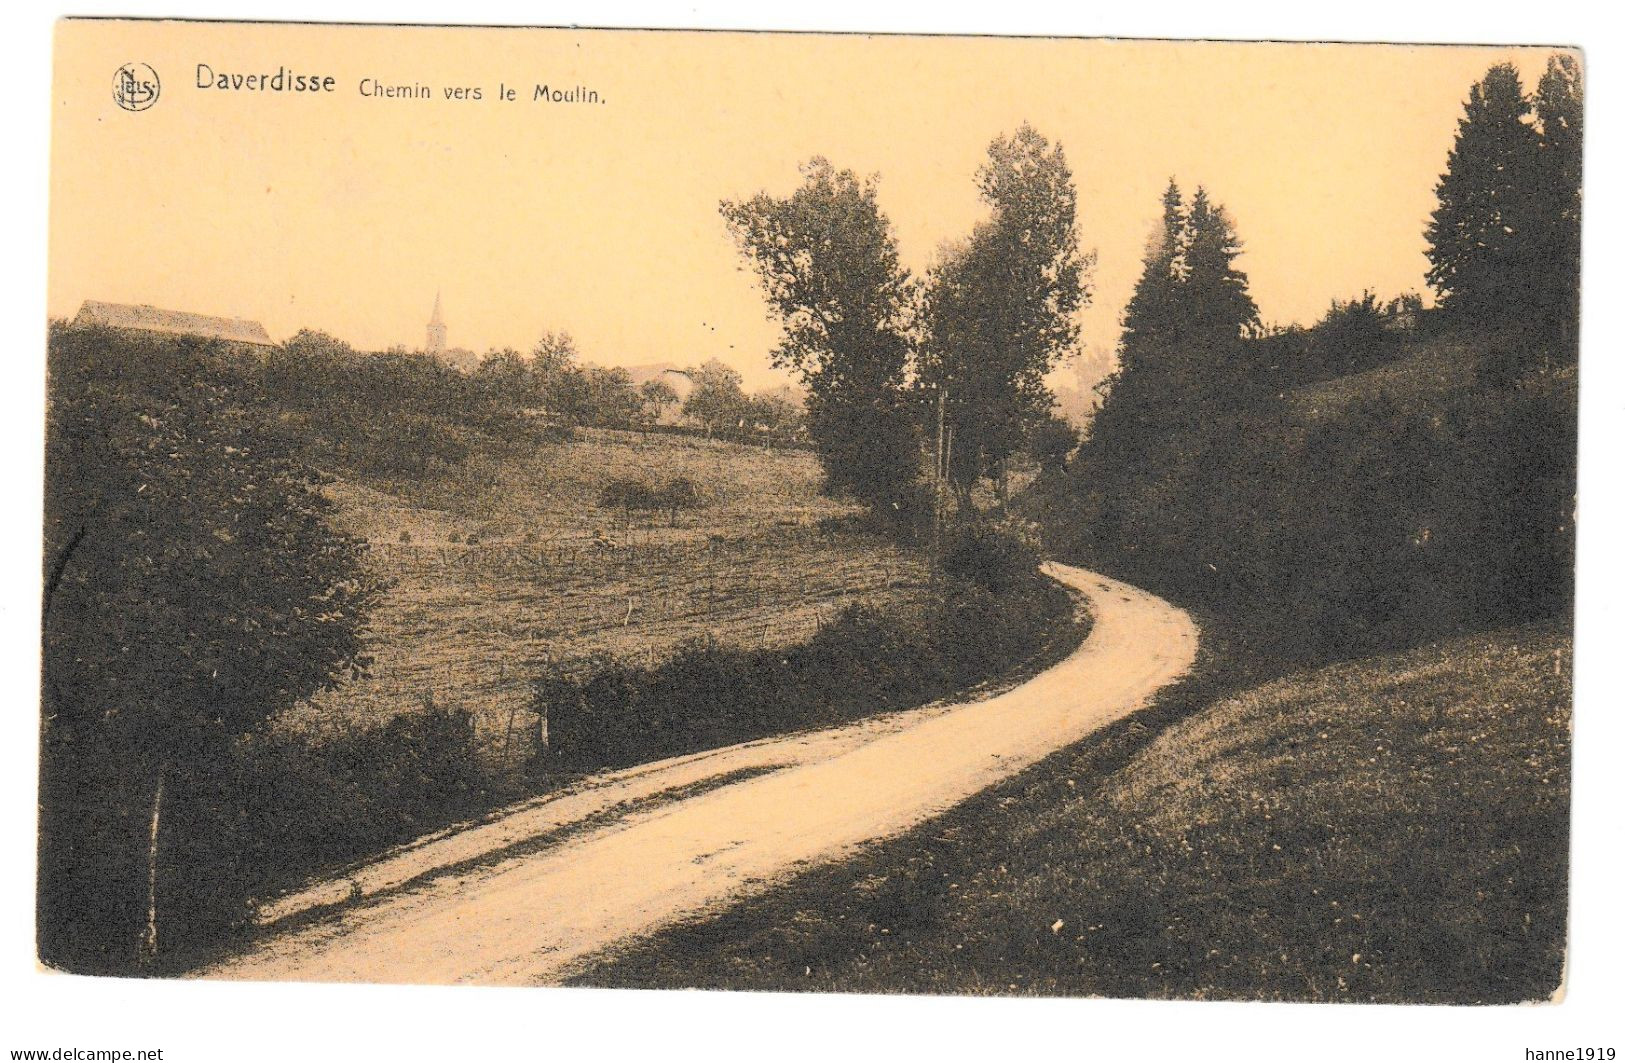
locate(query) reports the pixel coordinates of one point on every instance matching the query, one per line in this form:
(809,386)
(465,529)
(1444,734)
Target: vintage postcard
(837,513)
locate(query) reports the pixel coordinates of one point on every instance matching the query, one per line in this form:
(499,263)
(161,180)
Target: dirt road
(485,907)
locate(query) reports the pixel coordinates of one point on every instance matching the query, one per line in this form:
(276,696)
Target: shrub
(279,810)
(628,494)
(998,557)
(677,494)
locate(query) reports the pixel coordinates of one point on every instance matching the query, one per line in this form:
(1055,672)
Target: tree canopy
(1001,307)
(195,586)
(827,262)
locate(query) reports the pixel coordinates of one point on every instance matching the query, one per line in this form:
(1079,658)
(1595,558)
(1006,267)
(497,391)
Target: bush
(630,494)
(279,810)
(679,493)
(998,557)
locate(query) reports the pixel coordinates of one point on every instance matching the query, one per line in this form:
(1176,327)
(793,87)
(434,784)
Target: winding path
(502,904)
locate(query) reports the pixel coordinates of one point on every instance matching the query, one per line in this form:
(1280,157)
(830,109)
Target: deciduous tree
(827,262)
(718,398)
(656,396)
(195,586)
(1001,307)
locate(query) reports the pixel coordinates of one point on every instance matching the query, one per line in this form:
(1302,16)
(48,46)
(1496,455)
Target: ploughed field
(550,576)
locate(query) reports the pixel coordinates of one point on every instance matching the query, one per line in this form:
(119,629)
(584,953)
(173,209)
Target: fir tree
(1559,110)
(1215,300)
(1481,239)
(1152,316)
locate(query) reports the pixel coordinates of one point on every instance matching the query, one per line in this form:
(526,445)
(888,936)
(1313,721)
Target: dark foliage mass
(1318,487)
(400,418)
(1504,242)
(990,615)
(193,587)
(271,811)
(1335,532)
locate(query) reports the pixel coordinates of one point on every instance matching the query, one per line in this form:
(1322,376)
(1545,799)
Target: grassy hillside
(1386,829)
(765,560)
(1427,373)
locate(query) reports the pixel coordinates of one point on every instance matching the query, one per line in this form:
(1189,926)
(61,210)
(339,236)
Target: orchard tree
(612,398)
(776,412)
(503,377)
(1483,242)
(718,397)
(1001,309)
(656,397)
(195,586)
(559,380)
(827,262)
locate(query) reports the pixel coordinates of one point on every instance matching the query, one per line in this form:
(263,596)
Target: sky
(347,213)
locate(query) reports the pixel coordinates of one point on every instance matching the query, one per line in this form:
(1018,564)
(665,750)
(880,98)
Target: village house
(143,318)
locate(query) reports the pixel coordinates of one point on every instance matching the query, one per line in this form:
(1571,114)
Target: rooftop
(176,322)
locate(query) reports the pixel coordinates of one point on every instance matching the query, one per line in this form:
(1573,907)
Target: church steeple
(437,329)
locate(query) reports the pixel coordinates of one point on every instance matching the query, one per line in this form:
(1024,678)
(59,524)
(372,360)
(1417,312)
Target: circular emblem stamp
(135,86)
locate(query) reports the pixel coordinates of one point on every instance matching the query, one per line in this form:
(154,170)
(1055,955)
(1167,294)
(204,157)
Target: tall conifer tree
(1215,297)
(1484,260)
(1559,110)
(1152,314)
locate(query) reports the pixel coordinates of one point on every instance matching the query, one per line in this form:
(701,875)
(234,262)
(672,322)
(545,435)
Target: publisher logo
(135,86)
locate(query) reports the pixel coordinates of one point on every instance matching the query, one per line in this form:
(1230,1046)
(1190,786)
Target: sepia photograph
(819,513)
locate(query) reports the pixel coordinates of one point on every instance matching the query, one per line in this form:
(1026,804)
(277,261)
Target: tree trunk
(149,941)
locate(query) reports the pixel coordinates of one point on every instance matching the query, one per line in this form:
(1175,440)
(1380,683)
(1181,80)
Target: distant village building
(459,358)
(144,318)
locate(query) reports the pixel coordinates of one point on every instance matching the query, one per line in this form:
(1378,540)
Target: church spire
(437,330)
